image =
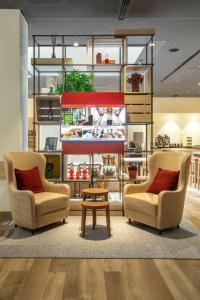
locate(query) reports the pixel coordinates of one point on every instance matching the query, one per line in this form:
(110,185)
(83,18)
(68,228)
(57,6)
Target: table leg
(84,212)
(106,197)
(108,220)
(94,218)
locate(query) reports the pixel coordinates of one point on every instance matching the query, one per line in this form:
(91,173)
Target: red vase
(98,58)
(135,87)
(132,170)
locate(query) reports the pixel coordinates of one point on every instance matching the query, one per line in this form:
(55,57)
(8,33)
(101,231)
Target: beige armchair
(35,210)
(164,210)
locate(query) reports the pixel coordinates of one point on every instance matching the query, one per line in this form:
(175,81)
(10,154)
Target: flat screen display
(93,123)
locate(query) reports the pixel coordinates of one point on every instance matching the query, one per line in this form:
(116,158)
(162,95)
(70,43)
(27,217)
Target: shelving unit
(130,51)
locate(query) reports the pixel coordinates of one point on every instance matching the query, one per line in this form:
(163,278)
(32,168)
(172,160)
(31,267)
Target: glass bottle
(84,171)
(77,173)
(106,59)
(71,171)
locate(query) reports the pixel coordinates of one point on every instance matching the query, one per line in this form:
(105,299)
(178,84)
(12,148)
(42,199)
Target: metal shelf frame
(123,61)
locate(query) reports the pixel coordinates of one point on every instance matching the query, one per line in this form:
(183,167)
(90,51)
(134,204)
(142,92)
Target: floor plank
(99,279)
(35,281)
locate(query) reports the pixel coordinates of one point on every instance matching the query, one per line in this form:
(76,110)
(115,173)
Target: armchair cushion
(29,180)
(143,202)
(165,180)
(47,202)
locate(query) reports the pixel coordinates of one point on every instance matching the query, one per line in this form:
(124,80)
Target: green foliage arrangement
(75,82)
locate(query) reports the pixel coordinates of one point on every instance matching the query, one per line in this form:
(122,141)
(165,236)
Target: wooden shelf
(43,104)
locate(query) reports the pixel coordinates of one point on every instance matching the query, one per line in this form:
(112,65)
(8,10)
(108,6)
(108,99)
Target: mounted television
(91,123)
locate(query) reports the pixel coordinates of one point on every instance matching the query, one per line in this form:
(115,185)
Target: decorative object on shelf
(189,142)
(43,106)
(135,79)
(53,166)
(104,177)
(51,92)
(84,173)
(71,171)
(75,82)
(138,139)
(49,170)
(162,141)
(174,145)
(109,160)
(78,173)
(50,112)
(51,143)
(132,171)
(53,40)
(106,59)
(99,58)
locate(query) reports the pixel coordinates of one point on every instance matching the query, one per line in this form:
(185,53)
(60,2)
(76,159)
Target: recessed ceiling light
(152,44)
(75,44)
(199,67)
(198,83)
(173,50)
(29,76)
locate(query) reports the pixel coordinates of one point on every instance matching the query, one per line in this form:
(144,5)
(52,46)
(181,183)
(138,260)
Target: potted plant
(75,81)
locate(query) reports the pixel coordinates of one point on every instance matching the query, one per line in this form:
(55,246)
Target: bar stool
(94,205)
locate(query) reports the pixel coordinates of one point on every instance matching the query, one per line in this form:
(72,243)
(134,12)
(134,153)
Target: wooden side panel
(137,99)
(138,109)
(140,118)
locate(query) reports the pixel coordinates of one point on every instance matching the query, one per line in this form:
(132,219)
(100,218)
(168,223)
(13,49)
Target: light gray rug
(127,241)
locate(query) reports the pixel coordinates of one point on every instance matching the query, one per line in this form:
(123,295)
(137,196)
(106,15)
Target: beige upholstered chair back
(23,161)
(171,161)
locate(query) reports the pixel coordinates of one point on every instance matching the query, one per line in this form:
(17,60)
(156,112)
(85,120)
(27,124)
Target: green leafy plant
(75,82)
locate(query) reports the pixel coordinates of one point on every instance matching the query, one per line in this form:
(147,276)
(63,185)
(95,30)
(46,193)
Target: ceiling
(177,24)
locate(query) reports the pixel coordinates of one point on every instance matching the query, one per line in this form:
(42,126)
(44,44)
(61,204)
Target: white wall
(13,86)
(178,118)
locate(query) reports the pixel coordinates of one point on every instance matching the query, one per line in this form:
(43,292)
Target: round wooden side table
(94,205)
(94,193)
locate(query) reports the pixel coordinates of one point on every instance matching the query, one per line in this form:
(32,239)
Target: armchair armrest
(136,188)
(57,188)
(170,208)
(23,207)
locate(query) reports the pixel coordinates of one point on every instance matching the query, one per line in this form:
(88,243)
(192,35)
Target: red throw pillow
(29,180)
(165,180)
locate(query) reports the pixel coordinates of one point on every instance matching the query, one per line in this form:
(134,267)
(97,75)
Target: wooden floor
(34,279)
(99,279)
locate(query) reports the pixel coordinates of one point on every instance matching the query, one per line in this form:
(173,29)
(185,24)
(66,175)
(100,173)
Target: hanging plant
(75,82)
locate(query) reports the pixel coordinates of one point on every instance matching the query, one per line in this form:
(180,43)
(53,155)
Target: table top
(95,204)
(95,191)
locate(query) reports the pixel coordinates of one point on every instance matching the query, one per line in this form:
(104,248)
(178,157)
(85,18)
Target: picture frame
(51,144)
